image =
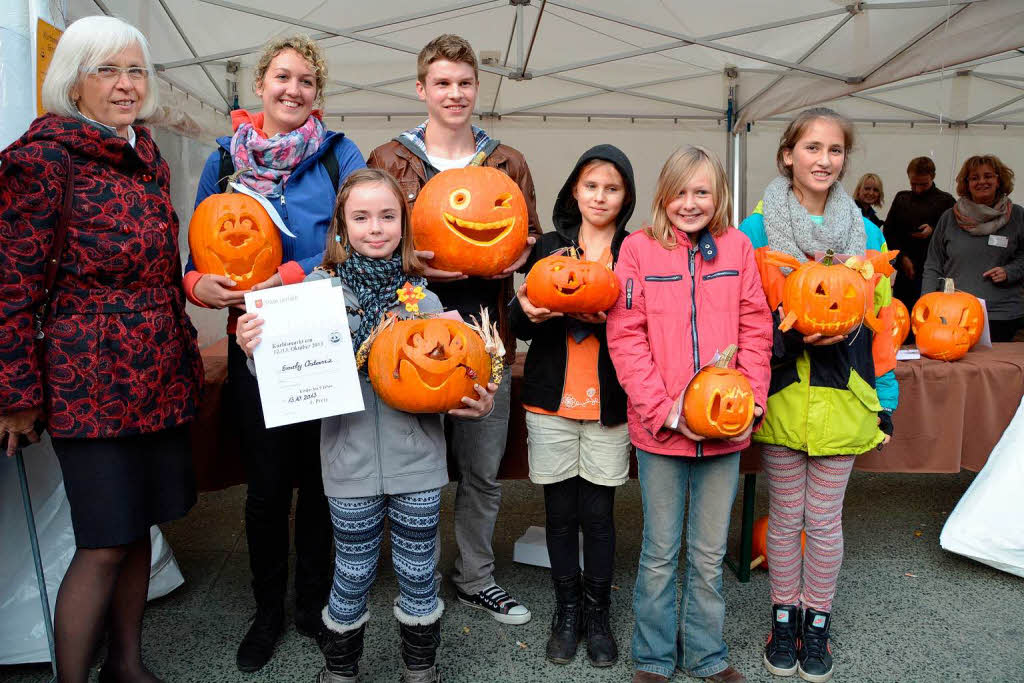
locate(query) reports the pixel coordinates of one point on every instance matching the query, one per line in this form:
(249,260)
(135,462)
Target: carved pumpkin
(900,324)
(231,234)
(830,299)
(759,549)
(718,403)
(941,339)
(474,219)
(958,308)
(427,365)
(564,283)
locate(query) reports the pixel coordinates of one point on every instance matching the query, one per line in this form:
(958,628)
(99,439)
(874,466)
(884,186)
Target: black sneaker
(502,606)
(257,646)
(815,655)
(780,650)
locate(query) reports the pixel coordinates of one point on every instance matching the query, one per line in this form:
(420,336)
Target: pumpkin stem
(725,357)
(947,286)
(829,257)
(233,177)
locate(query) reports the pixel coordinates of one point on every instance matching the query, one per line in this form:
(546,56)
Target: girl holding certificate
(380,463)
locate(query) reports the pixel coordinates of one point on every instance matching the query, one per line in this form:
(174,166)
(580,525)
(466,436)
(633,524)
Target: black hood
(566,215)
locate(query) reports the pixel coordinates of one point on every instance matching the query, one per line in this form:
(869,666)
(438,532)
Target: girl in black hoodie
(576,410)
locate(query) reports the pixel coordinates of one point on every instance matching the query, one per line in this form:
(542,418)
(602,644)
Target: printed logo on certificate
(304,362)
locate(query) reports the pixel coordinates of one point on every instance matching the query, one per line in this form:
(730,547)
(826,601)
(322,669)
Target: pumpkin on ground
(426,365)
(830,299)
(941,339)
(759,549)
(901,323)
(957,307)
(718,402)
(231,234)
(567,284)
(474,219)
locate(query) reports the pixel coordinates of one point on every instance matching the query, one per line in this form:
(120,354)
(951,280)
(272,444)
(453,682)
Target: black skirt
(119,487)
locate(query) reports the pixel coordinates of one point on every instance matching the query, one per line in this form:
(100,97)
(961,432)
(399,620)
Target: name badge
(998,241)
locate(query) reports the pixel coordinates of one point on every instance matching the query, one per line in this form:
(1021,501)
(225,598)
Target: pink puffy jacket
(675,310)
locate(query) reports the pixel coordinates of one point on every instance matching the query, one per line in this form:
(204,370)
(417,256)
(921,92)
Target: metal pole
(30,521)
(736,154)
(521,35)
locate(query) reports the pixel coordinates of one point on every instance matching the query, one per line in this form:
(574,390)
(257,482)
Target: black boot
(597,602)
(565,623)
(419,652)
(341,650)
(257,647)
(814,658)
(780,650)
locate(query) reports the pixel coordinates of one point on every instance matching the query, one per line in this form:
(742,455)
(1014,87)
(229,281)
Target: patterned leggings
(358,533)
(805,493)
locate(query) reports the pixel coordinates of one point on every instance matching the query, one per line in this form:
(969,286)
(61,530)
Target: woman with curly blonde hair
(292,159)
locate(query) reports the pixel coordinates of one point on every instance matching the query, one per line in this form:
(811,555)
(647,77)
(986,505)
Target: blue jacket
(308,201)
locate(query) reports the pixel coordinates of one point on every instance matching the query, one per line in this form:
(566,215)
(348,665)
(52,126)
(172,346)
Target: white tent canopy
(959,62)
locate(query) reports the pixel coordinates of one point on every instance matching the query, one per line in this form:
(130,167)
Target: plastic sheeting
(987,524)
(22,634)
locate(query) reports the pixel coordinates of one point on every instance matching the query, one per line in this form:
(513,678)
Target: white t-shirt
(447,164)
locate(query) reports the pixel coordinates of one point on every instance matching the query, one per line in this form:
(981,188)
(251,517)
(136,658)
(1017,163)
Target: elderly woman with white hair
(95,345)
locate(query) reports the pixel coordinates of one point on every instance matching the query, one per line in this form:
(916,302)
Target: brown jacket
(409,170)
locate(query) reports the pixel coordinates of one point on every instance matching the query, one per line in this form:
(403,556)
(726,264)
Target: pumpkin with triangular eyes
(566,284)
(474,219)
(718,402)
(957,307)
(231,234)
(426,365)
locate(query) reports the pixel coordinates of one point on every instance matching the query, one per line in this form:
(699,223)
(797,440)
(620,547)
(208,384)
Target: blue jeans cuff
(653,669)
(709,670)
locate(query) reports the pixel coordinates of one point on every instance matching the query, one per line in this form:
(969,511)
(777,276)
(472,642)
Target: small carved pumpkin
(474,219)
(957,307)
(830,299)
(900,324)
(942,340)
(231,234)
(564,283)
(759,549)
(718,403)
(427,365)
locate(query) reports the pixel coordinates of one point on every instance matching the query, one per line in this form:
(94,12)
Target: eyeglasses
(109,72)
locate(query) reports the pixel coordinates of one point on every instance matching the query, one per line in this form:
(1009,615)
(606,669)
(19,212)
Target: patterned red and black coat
(120,354)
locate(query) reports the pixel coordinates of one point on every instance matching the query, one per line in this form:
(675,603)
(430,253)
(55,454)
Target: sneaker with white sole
(496,600)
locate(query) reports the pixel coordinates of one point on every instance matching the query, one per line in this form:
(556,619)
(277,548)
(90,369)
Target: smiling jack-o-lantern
(427,365)
(231,234)
(958,308)
(941,339)
(830,299)
(474,219)
(719,403)
(566,284)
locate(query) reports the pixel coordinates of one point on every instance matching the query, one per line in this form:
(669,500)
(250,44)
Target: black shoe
(814,658)
(565,623)
(496,600)
(257,646)
(601,647)
(780,651)
(341,651)
(309,620)
(419,652)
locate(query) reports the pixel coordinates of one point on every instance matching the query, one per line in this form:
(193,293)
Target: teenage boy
(447,81)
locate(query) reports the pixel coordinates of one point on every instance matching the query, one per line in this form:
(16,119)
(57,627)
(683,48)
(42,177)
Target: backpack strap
(330,164)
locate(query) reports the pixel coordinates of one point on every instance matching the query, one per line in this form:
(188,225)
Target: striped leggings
(805,493)
(358,533)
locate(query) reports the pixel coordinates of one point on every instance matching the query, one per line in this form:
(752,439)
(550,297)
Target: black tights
(571,505)
(103,587)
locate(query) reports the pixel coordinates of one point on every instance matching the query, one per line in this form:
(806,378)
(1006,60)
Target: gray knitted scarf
(789,227)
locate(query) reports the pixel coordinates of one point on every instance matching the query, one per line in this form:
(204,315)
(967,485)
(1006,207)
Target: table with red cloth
(950,416)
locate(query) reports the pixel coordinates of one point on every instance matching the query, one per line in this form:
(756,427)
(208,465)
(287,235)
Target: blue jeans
(692,640)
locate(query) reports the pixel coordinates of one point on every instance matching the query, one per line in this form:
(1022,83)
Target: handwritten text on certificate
(304,361)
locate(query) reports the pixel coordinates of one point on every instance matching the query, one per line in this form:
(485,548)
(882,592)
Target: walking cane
(30,521)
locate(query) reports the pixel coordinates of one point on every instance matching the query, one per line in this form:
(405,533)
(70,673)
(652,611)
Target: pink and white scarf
(271,160)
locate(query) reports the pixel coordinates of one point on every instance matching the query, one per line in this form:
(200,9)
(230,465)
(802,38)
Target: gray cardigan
(955,253)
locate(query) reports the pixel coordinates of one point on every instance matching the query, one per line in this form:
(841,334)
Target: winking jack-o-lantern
(231,234)
(474,219)
(718,402)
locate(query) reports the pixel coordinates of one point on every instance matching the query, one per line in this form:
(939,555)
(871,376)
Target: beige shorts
(561,448)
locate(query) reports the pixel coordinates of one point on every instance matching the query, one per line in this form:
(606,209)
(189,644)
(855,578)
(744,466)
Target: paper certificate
(304,362)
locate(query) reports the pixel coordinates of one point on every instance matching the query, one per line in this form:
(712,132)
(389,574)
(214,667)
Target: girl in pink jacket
(689,288)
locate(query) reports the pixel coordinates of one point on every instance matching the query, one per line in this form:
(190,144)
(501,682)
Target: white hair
(86,43)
